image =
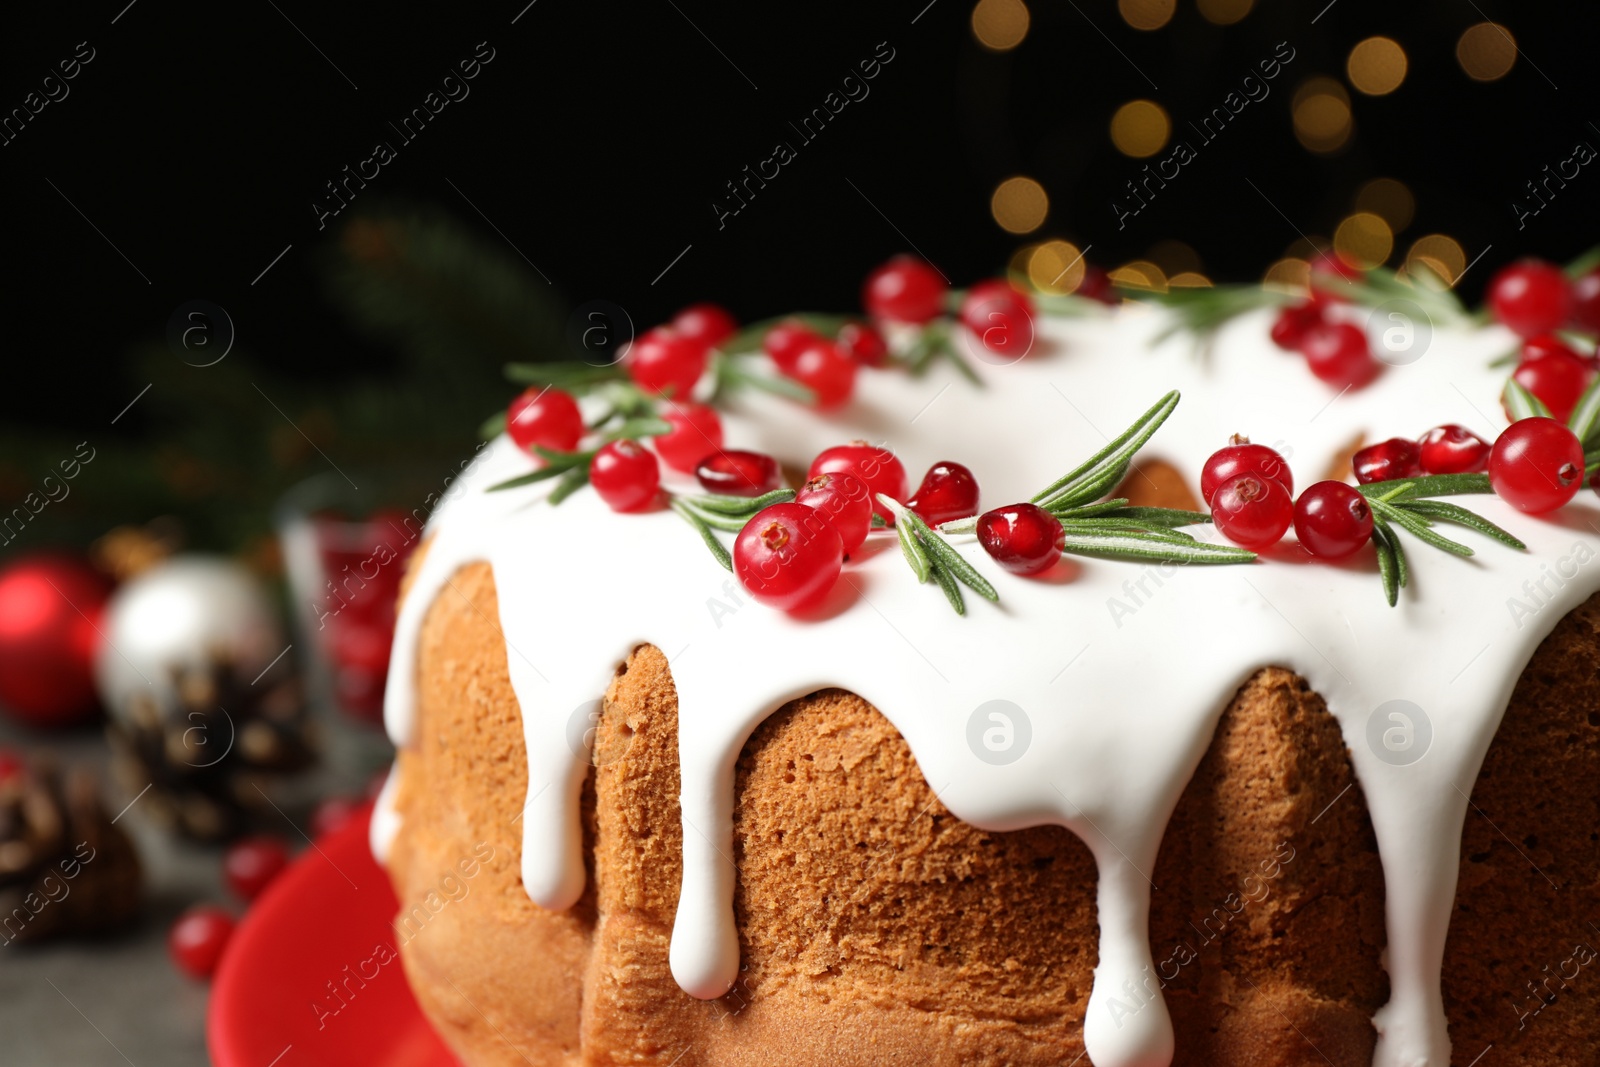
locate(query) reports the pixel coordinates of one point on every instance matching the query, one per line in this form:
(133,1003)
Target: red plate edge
(321,921)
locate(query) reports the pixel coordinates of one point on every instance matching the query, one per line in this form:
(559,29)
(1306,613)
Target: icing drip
(1105,745)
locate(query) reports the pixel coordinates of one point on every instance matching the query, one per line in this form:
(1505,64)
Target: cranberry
(1097,285)
(709,324)
(1022,538)
(1337,352)
(862,342)
(1557,380)
(1530,297)
(696,433)
(1332,520)
(878,467)
(333,814)
(948,491)
(1387,461)
(785,341)
(1294,323)
(905,289)
(1452,449)
(251,864)
(1251,511)
(1585,314)
(626,475)
(1549,344)
(197,940)
(739,473)
(663,362)
(1000,317)
(547,418)
(788,556)
(826,371)
(844,499)
(1536,465)
(1240,456)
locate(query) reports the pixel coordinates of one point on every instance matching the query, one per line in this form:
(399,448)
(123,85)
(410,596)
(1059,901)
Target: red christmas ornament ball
(50,606)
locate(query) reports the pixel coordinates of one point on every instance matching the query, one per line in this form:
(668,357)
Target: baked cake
(1234,815)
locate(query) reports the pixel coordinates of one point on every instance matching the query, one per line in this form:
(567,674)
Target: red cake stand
(271,1004)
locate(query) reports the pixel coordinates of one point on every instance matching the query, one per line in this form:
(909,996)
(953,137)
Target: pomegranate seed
(826,371)
(1337,352)
(663,362)
(1000,317)
(1585,314)
(197,940)
(1558,380)
(739,473)
(1530,297)
(788,556)
(251,864)
(1251,511)
(1096,285)
(948,491)
(1332,520)
(696,433)
(1294,323)
(1452,449)
(862,342)
(1023,538)
(1238,457)
(1387,461)
(785,341)
(708,324)
(1536,465)
(626,475)
(844,499)
(905,289)
(878,467)
(546,418)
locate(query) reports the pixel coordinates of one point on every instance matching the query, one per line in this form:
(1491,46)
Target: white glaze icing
(1114,742)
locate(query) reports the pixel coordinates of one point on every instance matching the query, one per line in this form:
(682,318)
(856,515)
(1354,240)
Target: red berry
(251,864)
(788,556)
(1022,538)
(332,814)
(1097,285)
(1558,380)
(1000,317)
(1332,520)
(548,418)
(1241,456)
(878,467)
(948,491)
(1337,352)
(197,940)
(826,371)
(1251,511)
(1536,465)
(663,362)
(1530,297)
(1387,461)
(709,324)
(739,473)
(905,289)
(696,433)
(626,475)
(1452,449)
(862,342)
(1585,314)
(1550,344)
(1293,323)
(785,341)
(1331,264)
(844,499)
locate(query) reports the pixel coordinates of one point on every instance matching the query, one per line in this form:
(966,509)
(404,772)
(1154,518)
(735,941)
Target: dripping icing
(1112,746)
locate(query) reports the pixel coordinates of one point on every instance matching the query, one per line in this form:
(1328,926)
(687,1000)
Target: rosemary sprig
(1204,309)
(1585,418)
(729,375)
(574,376)
(556,465)
(826,324)
(1403,504)
(1522,404)
(934,342)
(931,556)
(1104,470)
(708,513)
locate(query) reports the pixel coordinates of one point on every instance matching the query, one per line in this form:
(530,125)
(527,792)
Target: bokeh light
(1486,51)
(1389,199)
(1147,14)
(1321,111)
(1000,25)
(1055,267)
(1376,66)
(1141,274)
(1140,128)
(1441,255)
(1289,273)
(1019,205)
(1189,279)
(1225,12)
(1363,240)
(1174,257)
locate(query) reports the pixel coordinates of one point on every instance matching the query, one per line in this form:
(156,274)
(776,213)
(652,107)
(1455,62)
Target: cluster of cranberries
(1532,297)
(1336,351)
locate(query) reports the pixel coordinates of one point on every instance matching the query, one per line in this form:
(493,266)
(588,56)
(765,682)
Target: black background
(597,139)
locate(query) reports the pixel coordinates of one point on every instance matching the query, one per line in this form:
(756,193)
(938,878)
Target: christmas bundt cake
(1207,751)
